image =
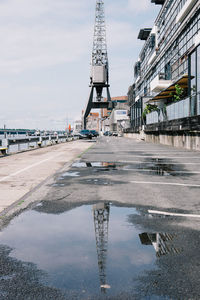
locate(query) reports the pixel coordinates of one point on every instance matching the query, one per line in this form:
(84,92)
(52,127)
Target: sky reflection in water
(64,246)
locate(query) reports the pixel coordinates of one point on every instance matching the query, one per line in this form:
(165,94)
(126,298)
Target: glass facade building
(169,58)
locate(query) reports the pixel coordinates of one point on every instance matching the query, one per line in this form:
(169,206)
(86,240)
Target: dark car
(85,134)
(107,133)
(94,133)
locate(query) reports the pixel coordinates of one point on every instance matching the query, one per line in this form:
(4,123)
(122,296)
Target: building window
(194,79)
(121,112)
(193,73)
(198,69)
(168,71)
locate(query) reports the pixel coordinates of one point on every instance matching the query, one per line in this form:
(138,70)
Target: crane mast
(99,78)
(99,52)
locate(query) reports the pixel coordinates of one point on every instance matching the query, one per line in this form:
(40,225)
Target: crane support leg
(89,106)
(108,94)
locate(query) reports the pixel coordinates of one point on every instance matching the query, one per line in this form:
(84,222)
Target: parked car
(94,133)
(107,133)
(85,134)
(115,133)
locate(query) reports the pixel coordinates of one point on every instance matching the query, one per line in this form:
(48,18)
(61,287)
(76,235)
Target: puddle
(92,252)
(58,184)
(38,205)
(153,166)
(97,181)
(79,164)
(100,166)
(161,168)
(69,174)
(100,181)
(158,166)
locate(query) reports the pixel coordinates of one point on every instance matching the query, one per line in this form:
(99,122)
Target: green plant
(148,109)
(178,94)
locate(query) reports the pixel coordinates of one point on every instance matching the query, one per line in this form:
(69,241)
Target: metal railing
(198,103)
(152,117)
(187,107)
(12,145)
(178,110)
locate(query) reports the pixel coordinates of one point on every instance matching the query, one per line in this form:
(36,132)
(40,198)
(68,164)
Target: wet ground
(97,251)
(104,230)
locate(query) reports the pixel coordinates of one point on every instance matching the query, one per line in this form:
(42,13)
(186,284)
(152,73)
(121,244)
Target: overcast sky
(45,56)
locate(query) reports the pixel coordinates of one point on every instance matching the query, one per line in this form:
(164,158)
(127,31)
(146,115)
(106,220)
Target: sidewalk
(21,173)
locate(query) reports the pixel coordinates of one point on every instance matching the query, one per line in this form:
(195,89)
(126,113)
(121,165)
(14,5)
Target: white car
(115,133)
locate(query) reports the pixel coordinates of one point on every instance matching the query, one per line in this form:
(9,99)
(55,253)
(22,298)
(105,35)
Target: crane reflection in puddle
(101,212)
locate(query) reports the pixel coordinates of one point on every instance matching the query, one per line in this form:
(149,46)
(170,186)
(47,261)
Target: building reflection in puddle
(162,242)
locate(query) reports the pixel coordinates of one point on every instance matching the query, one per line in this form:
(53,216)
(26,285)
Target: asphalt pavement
(147,241)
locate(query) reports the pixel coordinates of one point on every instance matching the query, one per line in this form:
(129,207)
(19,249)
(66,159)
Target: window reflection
(193,73)
(198,69)
(162,243)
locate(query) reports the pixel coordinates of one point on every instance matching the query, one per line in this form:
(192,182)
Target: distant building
(93,121)
(119,118)
(77,125)
(111,120)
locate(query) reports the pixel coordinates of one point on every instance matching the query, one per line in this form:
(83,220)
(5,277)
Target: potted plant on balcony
(178,94)
(147,110)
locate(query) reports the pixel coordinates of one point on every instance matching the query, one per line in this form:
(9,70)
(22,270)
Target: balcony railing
(184,108)
(152,117)
(198,103)
(178,110)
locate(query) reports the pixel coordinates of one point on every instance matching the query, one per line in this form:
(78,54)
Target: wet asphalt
(93,235)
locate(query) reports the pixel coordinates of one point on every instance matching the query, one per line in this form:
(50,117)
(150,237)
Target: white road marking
(164,157)
(160,163)
(154,170)
(147,151)
(165,183)
(172,214)
(29,167)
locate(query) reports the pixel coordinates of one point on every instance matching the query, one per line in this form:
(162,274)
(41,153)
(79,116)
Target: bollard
(4,147)
(50,142)
(40,142)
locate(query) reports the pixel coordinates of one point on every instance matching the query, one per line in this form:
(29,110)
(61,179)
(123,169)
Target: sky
(45,56)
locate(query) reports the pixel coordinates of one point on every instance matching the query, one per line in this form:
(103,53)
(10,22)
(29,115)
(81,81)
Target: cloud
(23,9)
(139,6)
(26,48)
(120,34)
(128,7)
(45,53)
(42,33)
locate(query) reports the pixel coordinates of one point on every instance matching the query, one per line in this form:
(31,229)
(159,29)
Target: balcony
(188,107)
(152,118)
(152,58)
(158,2)
(185,10)
(159,83)
(144,34)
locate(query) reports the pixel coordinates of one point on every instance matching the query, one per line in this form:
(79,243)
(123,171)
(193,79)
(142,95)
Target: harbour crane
(99,78)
